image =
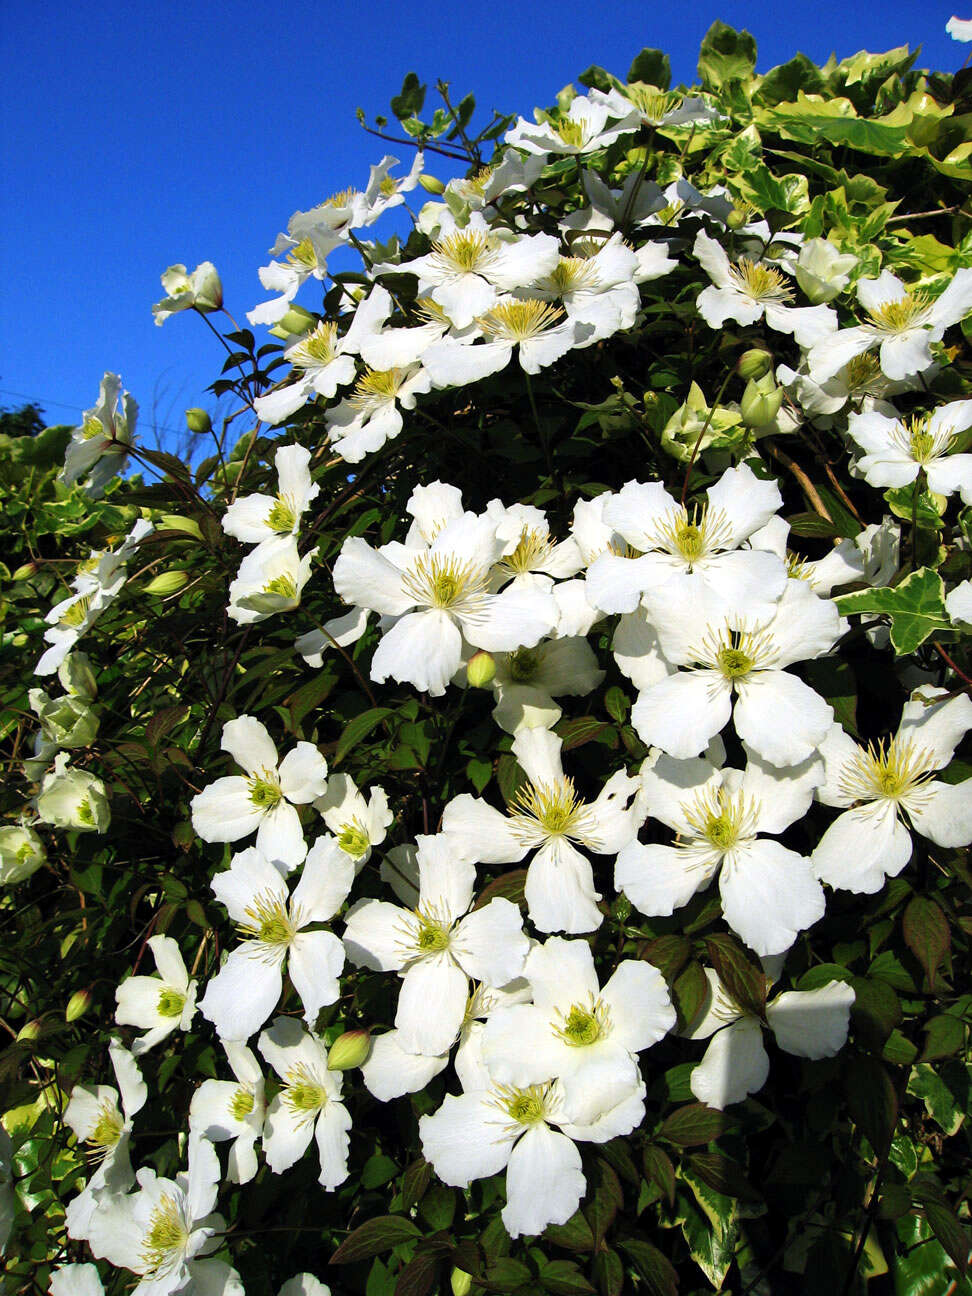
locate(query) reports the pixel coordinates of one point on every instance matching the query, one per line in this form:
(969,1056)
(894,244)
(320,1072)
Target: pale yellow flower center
(282,517)
(532,550)
(899,316)
(523,664)
(734,653)
(653,104)
(573,274)
(375,388)
(343,198)
(915,437)
(584,1024)
(106,1131)
(573,133)
(887,771)
(722,818)
(303,1092)
(518,321)
(268,921)
(318,348)
(553,810)
(242,1104)
(74,615)
(527,1106)
(353,839)
(303,254)
(170,1002)
(264,789)
(762,283)
(444,581)
(166,1237)
(694,536)
(465,252)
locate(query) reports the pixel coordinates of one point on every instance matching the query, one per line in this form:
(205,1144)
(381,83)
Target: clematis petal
(544,1182)
(735,1065)
(812,1023)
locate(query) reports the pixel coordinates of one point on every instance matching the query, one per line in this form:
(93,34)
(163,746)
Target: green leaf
(834,680)
(415,1181)
(743,979)
(875,1011)
(693,1124)
(927,1193)
(510,886)
(768,192)
(378,1170)
(438,1206)
(604,1202)
(660,1279)
(916,608)
(726,55)
(374,1237)
(419,1275)
(944,1037)
(783,83)
(689,992)
(668,954)
(926,934)
(659,1170)
(608,1272)
(409,102)
(581,730)
(652,67)
(872,1100)
(357,729)
(575,1235)
(722,1175)
(563,1278)
(507,1275)
(943,1093)
(616,703)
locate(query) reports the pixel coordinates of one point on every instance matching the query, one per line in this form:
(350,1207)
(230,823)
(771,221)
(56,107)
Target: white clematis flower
(782,719)
(98,447)
(528,323)
(224,1109)
(308,1104)
(438,946)
(769,893)
(72,798)
(357,823)
(162,1003)
(160,1231)
(680,552)
(574,1030)
(242,995)
(201,290)
(76,1280)
(364,421)
(264,801)
(271,579)
(549,816)
(581,129)
(895,451)
(746,291)
(256,518)
(438,596)
(807,1023)
(903,324)
(879,785)
(105,1129)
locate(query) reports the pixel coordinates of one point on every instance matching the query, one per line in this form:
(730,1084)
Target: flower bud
(77,677)
(822,271)
(297,320)
(197,420)
(349,1050)
(430,184)
(167,582)
(737,218)
(78,1005)
(71,798)
(760,406)
(755,363)
(24,572)
(460,1282)
(32,1031)
(67,721)
(481,669)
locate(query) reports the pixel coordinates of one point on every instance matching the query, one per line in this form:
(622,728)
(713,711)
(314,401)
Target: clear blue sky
(139,134)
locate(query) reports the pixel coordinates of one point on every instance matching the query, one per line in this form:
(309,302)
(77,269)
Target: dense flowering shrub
(501,825)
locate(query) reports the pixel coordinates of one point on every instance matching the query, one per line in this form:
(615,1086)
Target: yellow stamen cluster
(653,104)
(343,198)
(353,839)
(303,254)
(170,1002)
(889,772)
(863,375)
(899,316)
(706,531)
(556,809)
(516,321)
(465,252)
(669,214)
(283,586)
(918,441)
(388,186)
(573,274)
(75,614)
(92,428)
(166,1237)
(242,1104)
(375,388)
(572,133)
(267,920)
(425,931)
(303,1092)
(532,550)
(443,581)
(84,811)
(523,664)
(265,790)
(105,1132)
(734,653)
(762,283)
(282,517)
(528,1106)
(430,310)
(318,348)
(583,1024)
(722,818)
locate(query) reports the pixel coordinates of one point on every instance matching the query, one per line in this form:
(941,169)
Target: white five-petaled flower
(769,893)
(271,579)
(255,519)
(98,447)
(747,290)
(681,550)
(308,1104)
(782,719)
(581,129)
(897,450)
(438,596)
(200,290)
(93,1113)
(437,946)
(162,1003)
(527,323)
(242,995)
(160,1231)
(878,785)
(357,823)
(573,1028)
(264,800)
(903,323)
(370,416)
(549,816)
(807,1023)
(227,1109)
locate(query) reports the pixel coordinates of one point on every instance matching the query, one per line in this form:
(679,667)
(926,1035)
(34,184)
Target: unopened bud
(297,320)
(32,1031)
(77,1005)
(460,1282)
(737,218)
(430,184)
(167,582)
(197,420)
(25,572)
(481,669)
(755,363)
(759,407)
(349,1050)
